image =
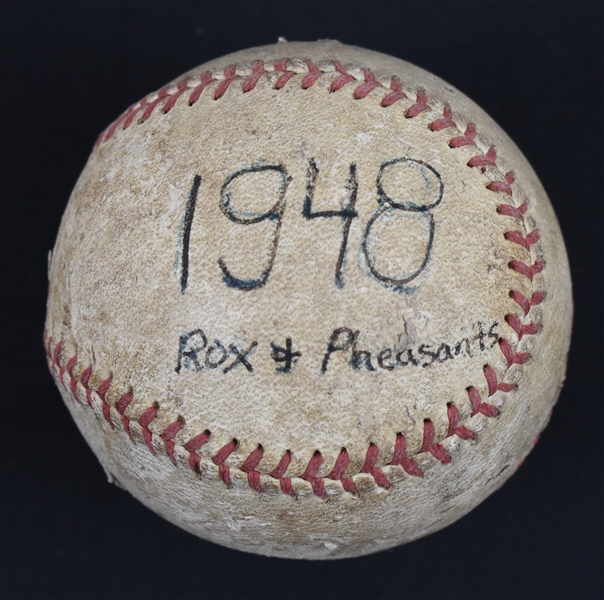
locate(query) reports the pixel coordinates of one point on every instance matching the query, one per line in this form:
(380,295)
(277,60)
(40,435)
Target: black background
(68,69)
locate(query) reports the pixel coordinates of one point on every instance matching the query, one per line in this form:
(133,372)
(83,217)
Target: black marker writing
(344,340)
(433,190)
(284,355)
(273,214)
(186,234)
(347,214)
(424,193)
(192,345)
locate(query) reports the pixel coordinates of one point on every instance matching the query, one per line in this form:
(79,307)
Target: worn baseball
(308,301)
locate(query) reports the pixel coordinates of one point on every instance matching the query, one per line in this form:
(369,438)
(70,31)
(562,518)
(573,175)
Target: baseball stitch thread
(167,97)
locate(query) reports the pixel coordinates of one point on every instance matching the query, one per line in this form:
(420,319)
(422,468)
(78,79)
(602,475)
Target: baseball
(309,301)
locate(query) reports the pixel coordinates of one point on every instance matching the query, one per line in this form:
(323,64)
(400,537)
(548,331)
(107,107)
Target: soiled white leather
(281,202)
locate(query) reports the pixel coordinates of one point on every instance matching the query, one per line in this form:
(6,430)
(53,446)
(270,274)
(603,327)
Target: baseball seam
(282,71)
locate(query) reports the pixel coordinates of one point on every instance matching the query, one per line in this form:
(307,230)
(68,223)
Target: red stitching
(454,427)
(339,468)
(399,458)
(527,270)
(205,79)
(493,384)
(467,139)
(313,74)
(484,160)
(229,76)
(132,113)
(526,304)
(56,355)
(145,109)
(445,122)
(84,378)
(527,241)
(144,422)
(395,95)
(101,392)
(478,406)
(370,468)
(109,132)
(279,471)
(419,106)
(168,434)
(229,73)
(281,65)
(73,382)
(251,81)
(224,471)
(286,486)
(369,84)
(249,467)
(121,406)
(349,486)
(520,329)
(150,107)
(428,444)
(251,463)
(310,475)
(511,211)
(513,358)
(181,88)
(192,446)
(503,186)
(340,81)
